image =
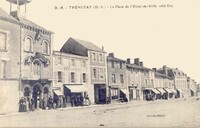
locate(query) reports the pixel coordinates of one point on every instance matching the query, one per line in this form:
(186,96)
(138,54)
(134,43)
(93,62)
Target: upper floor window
(113,78)
(101,73)
(93,56)
(120,65)
(72,62)
(100,57)
(113,64)
(59,60)
(3,40)
(28,44)
(37,67)
(121,78)
(2,69)
(95,73)
(72,77)
(84,64)
(59,76)
(45,47)
(84,77)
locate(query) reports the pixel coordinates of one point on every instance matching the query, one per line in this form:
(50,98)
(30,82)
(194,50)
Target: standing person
(32,104)
(50,102)
(21,104)
(125,99)
(81,100)
(64,101)
(72,101)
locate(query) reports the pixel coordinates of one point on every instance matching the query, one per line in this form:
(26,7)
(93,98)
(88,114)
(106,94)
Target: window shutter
(81,78)
(75,77)
(63,77)
(55,74)
(69,77)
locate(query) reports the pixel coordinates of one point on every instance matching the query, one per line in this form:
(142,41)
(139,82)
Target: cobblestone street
(165,113)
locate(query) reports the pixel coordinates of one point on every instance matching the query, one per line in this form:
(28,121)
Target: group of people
(30,104)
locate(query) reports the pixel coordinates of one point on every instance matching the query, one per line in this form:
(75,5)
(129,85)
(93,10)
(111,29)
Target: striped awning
(173,90)
(155,91)
(58,92)
(178,89)
(168,90)
(161,90)
(77,88)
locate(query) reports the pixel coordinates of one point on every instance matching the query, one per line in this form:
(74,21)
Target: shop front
(75,95)
(133,93)
(179,93)
(169,93)
(163,93)
(100,94)
(150,94)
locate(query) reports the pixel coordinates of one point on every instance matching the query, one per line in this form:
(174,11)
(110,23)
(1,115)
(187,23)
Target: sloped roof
(137,67)
(5,16)
(115,59)
(88,45)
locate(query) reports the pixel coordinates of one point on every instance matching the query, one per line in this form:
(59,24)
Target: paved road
(171,113)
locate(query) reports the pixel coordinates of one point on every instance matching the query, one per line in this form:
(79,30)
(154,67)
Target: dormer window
(28,44)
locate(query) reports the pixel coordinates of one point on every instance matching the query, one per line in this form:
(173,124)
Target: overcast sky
(158,36)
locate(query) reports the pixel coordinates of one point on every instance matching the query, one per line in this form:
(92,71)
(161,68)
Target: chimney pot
(128,61)
(111,55)
(137,61)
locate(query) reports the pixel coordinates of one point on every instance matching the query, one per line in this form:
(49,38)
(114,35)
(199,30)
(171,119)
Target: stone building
(192,86)
(27,56)
(140,81)
(97,64)
(179,80)
(118,88)
(71,76)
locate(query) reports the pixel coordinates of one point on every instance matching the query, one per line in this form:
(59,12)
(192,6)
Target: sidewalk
(105,107)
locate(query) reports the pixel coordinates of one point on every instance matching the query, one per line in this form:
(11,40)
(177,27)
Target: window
(95,73)
(45,47)
(84,64)
(113,64)
(100,58)
(113,78)
(3,40)
(101,73)
(93,56)
(59,76)
(114,93)
(121,78)
(84,77)
(36,67)
(28,44)
(146,82)
(121,65)
(2,69)
(59,60)
(72,62)
(72,77)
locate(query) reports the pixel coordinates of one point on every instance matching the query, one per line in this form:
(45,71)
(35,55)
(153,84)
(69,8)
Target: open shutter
(87,78)
(55,75)
(81,78)
(69,77)
(63,77)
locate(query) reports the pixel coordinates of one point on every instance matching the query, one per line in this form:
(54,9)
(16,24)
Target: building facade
(118,88)
(98,66)
(71,76)
(26,57)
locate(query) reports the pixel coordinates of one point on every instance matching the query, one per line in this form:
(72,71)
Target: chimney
(141,64)
(165,69)
(154,69)
(137,61)
(128,61)
(102,48)
(111,55)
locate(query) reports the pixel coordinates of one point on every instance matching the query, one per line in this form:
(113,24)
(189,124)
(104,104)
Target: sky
(158,36)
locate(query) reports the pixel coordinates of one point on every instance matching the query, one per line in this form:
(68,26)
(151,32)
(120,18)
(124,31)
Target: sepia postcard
(99,63)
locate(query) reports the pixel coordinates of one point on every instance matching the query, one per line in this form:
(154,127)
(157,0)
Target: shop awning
(155,91)
(123,90)
(75,88)
(168,90)
(173,90)
(58,92)
(161,90)
(192,89)
(180,90)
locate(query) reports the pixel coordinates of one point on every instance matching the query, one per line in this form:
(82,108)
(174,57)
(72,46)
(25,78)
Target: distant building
(26,68)
(118,88)
(97,63)
(180,80)
(71,76)
(192,87)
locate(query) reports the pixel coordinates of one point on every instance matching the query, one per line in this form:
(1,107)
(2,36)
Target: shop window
(3,40)
(114,93)
(45,47)
(28,44)
(72,77)
(84,77)
(2,69)
(59,76)
(113,78)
